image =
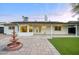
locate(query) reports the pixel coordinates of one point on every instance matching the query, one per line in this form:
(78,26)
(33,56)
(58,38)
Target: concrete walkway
(35,45)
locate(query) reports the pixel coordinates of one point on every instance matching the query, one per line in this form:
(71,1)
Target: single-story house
(45,27)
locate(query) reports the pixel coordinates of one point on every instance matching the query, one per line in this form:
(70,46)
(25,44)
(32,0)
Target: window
(30,29)
(11,27)
(39,28)
(57,28)
(23,28)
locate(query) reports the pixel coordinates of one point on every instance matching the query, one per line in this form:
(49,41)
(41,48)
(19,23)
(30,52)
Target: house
(31,28)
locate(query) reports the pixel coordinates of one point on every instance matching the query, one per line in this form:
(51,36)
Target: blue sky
(15,10)
(30,8)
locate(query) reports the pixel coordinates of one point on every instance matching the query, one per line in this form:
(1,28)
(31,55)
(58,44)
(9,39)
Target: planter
(14,46)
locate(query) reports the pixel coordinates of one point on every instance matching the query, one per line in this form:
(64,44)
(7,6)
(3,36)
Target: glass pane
(30,29)
(23,29)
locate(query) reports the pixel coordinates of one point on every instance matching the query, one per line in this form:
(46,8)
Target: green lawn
(67,45)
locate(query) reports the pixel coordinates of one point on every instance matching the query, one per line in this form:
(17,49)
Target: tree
(75,8)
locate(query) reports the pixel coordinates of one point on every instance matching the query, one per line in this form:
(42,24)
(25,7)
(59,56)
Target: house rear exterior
(40,28)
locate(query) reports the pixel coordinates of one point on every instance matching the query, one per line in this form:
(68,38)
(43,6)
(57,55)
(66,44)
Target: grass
(66,45)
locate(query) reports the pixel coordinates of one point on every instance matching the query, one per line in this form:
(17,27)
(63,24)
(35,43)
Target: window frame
(11,27)
(23,28)
(57,28)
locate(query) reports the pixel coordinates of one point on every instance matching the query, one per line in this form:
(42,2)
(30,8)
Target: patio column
(76,29)
(27,28)
(51,31)
(18,29)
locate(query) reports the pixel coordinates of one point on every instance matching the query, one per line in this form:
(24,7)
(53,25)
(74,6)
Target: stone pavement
(34,45)
(2,36)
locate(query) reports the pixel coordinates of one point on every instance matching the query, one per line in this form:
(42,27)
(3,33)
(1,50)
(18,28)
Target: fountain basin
(14,46)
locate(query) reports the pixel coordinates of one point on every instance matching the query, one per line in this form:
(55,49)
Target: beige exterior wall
(46,28)
(64,29)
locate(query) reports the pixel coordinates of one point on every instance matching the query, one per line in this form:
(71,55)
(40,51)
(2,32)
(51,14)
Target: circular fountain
(15,44)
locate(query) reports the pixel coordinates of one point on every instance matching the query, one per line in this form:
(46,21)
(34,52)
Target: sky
(35,11)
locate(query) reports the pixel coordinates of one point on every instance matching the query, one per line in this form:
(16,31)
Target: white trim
(76,29)
(51,31)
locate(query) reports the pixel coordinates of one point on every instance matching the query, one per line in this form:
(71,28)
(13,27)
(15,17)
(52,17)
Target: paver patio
(34,45)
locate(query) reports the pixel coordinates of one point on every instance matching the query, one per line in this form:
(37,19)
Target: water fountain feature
(15,44)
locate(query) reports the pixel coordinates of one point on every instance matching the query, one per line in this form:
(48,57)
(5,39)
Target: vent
(45,17)
(25,19)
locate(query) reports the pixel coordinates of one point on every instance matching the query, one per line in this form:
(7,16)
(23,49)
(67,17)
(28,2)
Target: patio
(34,45)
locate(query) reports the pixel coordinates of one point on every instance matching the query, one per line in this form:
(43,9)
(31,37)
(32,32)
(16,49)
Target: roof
(10,24)
(1,23)
(40,22)
(73,22)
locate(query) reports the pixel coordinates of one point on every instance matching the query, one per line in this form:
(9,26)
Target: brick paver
(35,45)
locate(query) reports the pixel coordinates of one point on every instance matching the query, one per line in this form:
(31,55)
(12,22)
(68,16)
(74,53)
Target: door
(72,30)
(38,30)
(1,29)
